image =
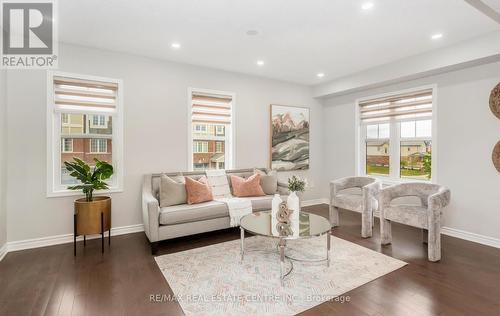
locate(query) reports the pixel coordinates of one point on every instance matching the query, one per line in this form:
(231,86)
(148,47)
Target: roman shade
(77,95)
(211,109)
(415,105)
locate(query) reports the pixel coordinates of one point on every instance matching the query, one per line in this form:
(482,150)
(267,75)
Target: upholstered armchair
(427,216)
(363,200)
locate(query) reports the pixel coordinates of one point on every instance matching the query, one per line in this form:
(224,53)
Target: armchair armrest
(340,184)
(150,211)
(370,191)
(386,195)
(439,199)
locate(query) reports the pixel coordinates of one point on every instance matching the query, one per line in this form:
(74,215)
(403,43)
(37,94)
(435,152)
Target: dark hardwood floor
(50,281)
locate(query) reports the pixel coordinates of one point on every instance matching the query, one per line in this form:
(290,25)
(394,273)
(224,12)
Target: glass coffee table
(308,226)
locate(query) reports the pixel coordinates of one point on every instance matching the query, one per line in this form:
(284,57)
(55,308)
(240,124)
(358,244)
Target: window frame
(230,133)
(395,139)
(54,186)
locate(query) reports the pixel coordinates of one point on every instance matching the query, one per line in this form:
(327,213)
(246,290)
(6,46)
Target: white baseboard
(3,251)
(66,238)
(116,231)
(480,239)
(453,232)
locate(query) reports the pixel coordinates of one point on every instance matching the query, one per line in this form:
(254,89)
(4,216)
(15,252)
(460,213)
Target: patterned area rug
(212,281)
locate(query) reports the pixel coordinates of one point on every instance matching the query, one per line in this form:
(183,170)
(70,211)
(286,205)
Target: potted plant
(92,213)
(295,185)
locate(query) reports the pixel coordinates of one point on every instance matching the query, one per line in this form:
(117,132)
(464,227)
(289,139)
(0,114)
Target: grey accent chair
(358,194)
(427,216)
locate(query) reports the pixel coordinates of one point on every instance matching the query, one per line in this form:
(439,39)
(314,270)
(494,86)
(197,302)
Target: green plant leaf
(91,178)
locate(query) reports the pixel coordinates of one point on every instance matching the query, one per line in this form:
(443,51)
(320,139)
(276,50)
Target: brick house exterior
(213,158)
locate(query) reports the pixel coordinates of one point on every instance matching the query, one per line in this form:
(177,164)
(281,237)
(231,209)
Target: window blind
(211,109)
(415,105)
(76,95)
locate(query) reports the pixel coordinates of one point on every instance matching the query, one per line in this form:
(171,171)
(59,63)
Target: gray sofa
(182,220)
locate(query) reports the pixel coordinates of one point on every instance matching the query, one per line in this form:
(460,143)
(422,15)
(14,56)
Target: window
(211,123)
(85,122)
(64,118)
(201,129)
(67,145)
(219,130)
(218,147)
(200,147)
(98,121)
(396,135)
(98,145)
(377,149)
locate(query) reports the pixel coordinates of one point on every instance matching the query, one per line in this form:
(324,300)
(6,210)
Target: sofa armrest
(150,211)
(283,188)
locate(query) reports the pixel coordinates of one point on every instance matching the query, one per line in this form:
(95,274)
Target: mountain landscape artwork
(289,138)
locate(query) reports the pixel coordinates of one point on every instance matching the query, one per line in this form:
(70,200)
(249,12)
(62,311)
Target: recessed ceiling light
(176,45)
(367,6)
(437,36)
(252,32)
(260,63)
(320,75)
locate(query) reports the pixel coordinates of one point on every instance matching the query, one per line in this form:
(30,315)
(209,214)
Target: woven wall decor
(495,101)
(496,156)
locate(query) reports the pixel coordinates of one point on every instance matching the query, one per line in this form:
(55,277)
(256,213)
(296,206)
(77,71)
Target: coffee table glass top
(308,225)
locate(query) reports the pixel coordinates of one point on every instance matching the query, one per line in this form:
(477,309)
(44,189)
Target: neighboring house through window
(396,135)
(85,122)
(211,123)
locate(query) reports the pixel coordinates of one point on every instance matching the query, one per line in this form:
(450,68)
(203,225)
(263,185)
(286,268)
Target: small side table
(92,218)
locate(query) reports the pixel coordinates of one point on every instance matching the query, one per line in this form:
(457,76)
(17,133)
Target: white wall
(3,210)
(467,132)
(155,95)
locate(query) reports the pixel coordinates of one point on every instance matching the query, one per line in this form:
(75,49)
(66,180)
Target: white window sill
(392,181)
(63,193)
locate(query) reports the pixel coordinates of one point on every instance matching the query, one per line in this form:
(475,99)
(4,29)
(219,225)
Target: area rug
(212,281)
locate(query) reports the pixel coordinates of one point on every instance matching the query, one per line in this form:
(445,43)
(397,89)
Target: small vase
(293,203)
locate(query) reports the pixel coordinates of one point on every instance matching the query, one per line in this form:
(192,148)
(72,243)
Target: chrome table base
(282,255)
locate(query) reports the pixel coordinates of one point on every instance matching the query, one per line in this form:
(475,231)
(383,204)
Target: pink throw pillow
(248,187)
(198,191)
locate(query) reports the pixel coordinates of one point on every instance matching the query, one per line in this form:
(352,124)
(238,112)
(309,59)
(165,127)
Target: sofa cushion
(268,181)
(247,187)
(192,213)
(413,215)
(198,191)
(243,175)
(172,191)
(352,201)
(348,201)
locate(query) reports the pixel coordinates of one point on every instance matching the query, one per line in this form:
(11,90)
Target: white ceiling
(297,38)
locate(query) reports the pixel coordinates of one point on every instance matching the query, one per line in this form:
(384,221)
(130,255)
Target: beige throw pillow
(268,181)
(172,191)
